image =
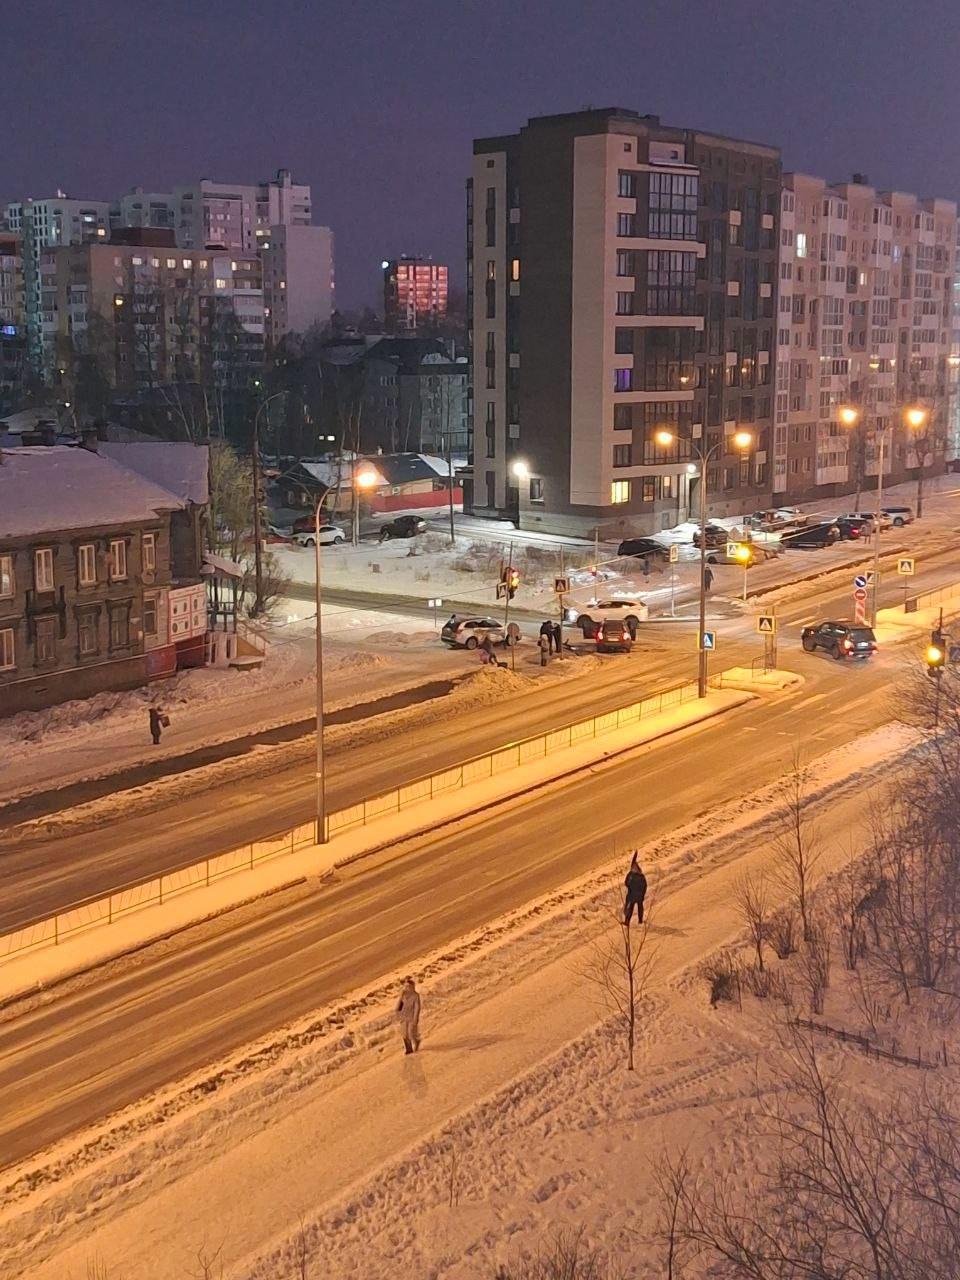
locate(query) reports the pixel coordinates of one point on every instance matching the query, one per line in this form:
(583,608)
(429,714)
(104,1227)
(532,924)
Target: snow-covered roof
(214,564)
(177,466)
(52,489)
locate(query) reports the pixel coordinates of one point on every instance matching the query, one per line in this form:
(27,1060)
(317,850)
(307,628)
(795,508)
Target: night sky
(376,104)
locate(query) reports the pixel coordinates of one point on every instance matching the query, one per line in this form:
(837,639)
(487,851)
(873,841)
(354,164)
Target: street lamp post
(362,479)
(742,440)
(849,416)
(320,781)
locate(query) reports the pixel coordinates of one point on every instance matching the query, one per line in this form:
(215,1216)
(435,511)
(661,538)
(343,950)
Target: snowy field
(517,1117)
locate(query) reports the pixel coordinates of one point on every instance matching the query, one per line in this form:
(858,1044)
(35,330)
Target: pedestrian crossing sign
(905,566)
(561,586)
(708,640)
(766,624)
(501,590)
(674,552)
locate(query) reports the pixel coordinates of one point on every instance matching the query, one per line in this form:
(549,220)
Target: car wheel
(309,542)
(470,642)
(337,540)
(809,644)
(898,523)
(711,559)
(384,535)
(584,621)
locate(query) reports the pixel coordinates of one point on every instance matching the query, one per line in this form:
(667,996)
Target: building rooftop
(180,467)
(52,489)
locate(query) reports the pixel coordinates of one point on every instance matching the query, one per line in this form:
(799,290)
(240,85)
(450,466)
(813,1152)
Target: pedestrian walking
(156,724)
(707,578)
(546,629)
(557,636)
(408,1016)
(645,562)
(636,886)
(545,647)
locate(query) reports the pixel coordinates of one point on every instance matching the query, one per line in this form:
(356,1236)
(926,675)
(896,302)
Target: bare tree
(568,1256)
(797,848)
(752,903)
(814,966)
(621,967)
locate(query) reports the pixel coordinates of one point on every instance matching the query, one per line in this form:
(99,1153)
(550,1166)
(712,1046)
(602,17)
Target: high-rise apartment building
(297,278)
(622,279)
(42,224)
(865,315)
(414,294)
(153,314)
(12,318)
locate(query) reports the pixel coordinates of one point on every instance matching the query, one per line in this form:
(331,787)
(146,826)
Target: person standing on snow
(546,630)
(557,636)
(636,886)
(408,1015)
(156,724)
(707,579)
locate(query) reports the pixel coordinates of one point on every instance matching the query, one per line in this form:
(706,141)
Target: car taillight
(848,645)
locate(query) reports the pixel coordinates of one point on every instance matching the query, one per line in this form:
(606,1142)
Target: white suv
(330,535)
(589,616)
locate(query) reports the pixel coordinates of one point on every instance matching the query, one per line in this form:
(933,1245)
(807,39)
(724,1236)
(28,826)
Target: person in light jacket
(408,1015)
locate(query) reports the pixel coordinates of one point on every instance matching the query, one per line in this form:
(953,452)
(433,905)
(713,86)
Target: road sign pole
(506,609)
(560,598)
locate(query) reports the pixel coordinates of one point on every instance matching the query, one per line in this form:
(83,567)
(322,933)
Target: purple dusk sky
(376,104)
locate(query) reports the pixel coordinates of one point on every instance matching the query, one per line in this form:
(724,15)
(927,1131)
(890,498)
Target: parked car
(402,527)
(717,536)
(330,534)
(899,516)
(643,547)
(814,535)
(849,526)
(758,553)
(776,518)
(589,616)
(613,637)
(864,516)
(842,639)
(466,631)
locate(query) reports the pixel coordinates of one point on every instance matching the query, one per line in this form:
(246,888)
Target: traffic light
(513,581)
(936,654)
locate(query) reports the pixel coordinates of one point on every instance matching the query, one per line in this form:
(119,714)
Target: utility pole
(453,533)
(506,608)
(257,530)
(561,601)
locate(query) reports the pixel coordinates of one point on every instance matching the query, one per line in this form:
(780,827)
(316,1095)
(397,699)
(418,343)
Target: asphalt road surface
(46,870)
(93,1049)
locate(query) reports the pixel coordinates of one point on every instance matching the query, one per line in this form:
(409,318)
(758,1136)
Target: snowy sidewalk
(336,1139)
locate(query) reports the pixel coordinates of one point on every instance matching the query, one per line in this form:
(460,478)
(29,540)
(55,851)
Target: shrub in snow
(722,976)
(783,931)
(567,1257)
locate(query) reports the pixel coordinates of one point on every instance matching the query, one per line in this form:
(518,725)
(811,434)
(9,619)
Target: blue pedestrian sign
(860,580)
(708,640)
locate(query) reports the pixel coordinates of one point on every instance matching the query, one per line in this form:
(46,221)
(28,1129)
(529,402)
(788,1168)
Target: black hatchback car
(842,639)
(643,547)
(403,527)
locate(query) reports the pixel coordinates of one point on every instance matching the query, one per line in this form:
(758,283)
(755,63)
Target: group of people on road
(551,640)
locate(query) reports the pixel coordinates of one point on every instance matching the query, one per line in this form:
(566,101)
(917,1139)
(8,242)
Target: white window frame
(87,560)
(6,575)
(8,649)
(118,559)
(148,563)
(43,561)
(619,492)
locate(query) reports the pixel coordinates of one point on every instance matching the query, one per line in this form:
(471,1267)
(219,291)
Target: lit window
(137,262)
(187,264)
(283,284)
(619,491)
(118,300)
(220,282)
(801,244)
(100,231)
(154,262)
(233,266)
(43,569)
(203,264)
(6,576)
(515,269)
(87,564)
(171,263)
(118,559)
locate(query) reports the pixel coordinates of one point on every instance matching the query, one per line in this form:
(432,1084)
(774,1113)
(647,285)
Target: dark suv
(643,547)
(842,639)
(814,535)
(403,527)
(717,536)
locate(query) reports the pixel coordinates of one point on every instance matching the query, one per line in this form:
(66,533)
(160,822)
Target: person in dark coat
(408,1016)
(636,886)
(546,629)
(156,724)
(707,578)
(557,636)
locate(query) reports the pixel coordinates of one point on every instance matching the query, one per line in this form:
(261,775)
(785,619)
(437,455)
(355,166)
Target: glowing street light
(848,415)
(916,417)
(521,470)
